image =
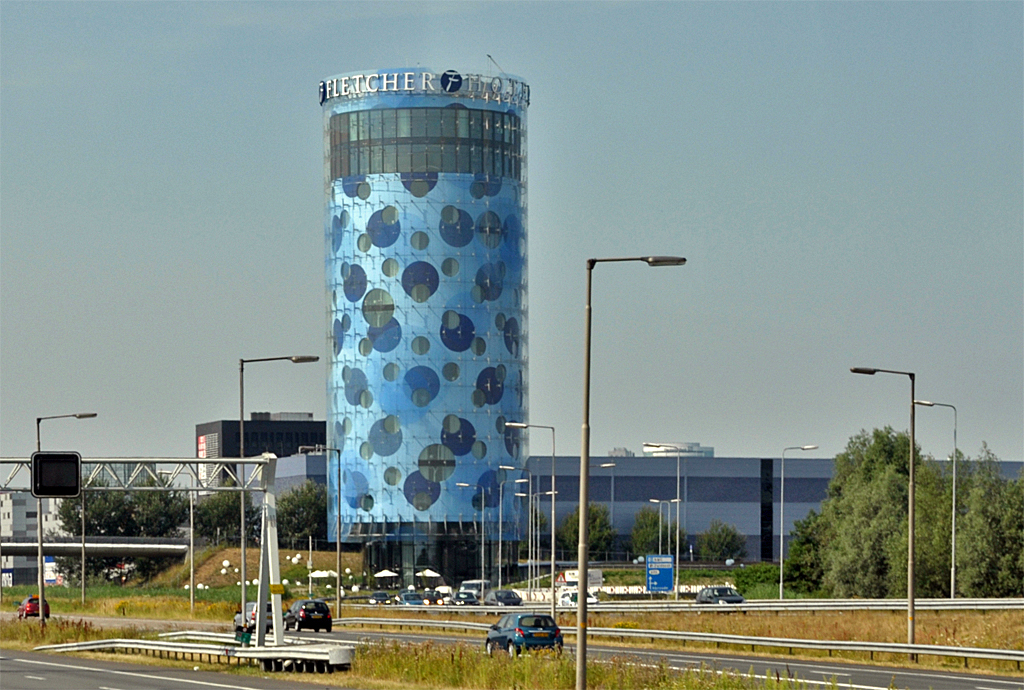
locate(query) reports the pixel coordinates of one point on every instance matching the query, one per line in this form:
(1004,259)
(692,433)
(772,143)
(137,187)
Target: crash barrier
(294,656)
(718,640)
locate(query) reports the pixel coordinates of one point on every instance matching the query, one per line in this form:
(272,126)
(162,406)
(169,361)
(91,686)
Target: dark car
(309,614)
(409,599)
(432,597)
(516,632)
(464,599)
(719,595)
(380,598)
(30,607)
(249,625)
(503,597)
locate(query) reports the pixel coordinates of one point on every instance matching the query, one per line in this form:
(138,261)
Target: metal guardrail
(872,648)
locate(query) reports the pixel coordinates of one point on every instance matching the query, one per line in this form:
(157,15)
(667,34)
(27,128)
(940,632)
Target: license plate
(540,634)
(318,615)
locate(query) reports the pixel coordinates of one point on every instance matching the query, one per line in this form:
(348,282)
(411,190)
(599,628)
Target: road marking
(34,678)
(104,687)
(133,675)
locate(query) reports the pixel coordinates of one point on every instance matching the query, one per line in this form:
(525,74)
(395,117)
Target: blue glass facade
(425,236)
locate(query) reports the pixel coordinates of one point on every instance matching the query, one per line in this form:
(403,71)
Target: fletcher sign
(501,89)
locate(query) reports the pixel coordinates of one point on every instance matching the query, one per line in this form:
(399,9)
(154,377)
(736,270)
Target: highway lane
(815,673)
(37,671)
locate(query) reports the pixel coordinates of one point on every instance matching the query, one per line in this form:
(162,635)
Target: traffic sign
(56,475)
(660,573)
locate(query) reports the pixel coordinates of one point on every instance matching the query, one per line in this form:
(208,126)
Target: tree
(217,516)
(804,569)
(302,513)
(157,514)
(644,537)
(600,532)
(990,543)
(720,542)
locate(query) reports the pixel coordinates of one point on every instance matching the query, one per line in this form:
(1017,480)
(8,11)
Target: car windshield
(725,592)
(536,621)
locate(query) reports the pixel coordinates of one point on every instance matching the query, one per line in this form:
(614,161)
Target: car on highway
(310,614)
(380,598)
(719,594)
(502,597)
(570,598)
(409,599)
(517,632)
(29,607)
(249,619)
(464,599)
(432,597)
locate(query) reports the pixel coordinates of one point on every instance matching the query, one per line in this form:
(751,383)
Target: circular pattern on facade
(391,371)
(491,383)
(420,491)
(386,338)
(350,185)
(419,240)
(457,331)
(355,384)
(420,345)
(458,434)
(339,224)
(378,307)
(420,281)
(490,281)
(419,184)
(384,227)
(386,436)
(422,384)
(450,267)
(392,476)
(456,226)
(485,185)
(450,371)
(513,227)
(355,487)
(339,335)
(389,268)
(488,229)
(354,281)
(436,462)
(512,338)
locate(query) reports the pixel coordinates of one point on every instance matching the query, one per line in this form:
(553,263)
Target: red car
(30,607)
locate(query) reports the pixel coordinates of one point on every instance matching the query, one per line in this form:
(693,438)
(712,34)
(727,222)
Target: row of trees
(857,545)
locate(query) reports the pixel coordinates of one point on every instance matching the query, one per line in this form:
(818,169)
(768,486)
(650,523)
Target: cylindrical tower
(425,233)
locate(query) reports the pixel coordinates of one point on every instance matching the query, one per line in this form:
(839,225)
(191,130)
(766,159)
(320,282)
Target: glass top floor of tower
(425,242)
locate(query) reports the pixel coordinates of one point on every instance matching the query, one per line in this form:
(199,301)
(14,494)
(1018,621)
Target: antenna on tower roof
(495,63)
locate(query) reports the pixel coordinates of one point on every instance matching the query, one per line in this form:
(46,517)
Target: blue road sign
(660,574)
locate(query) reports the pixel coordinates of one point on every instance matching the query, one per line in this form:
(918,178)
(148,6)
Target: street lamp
(952,557)
(483,504)
(501,524)
(652,447)
(603,466)
(782,507)
(337,529)
(297,359)
(41,579)
(584,546)
(521,425)
(910,497)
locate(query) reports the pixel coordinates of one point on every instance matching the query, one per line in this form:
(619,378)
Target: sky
(844,179)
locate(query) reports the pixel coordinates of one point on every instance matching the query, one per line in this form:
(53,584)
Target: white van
(478,587)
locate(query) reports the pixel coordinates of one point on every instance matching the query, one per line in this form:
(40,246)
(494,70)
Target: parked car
(409,599)
(380,598)
(432,597)
(308,613)
(516,632)
(719,595)
(502,597)
(464,599)
(30,607)
(571,598)
(249,625)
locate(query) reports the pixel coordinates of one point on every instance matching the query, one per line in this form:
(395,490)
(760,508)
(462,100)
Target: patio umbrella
(385,573)
(428,573)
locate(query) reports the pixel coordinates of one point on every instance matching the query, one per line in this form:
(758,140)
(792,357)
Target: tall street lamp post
(584,547)
(483,504)
(782,508)
(521,425)
(678,450)
(297,359)
(41,562)
(501,524)
(952,558)
(337,528)
(910,497)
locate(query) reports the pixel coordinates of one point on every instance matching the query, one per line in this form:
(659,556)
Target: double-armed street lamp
(522,425)
(782,508)
(41,561)
(584,547)
(660,503)
(910,496)
(337,527)
(483,505)
(295,359)
(501,524)
(952,558)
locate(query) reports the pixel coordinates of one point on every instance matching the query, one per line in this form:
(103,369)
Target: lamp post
(910,497)
(41,579)
(952,556)
(483,504)
(782,507)
(652,447)
(297,359)
(501,524)
(584,546)
(337,529)
(521,425)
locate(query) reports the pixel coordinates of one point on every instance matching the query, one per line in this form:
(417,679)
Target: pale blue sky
(844,178)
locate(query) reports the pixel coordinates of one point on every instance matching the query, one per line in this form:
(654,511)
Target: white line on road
(34,678)
(134,675)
